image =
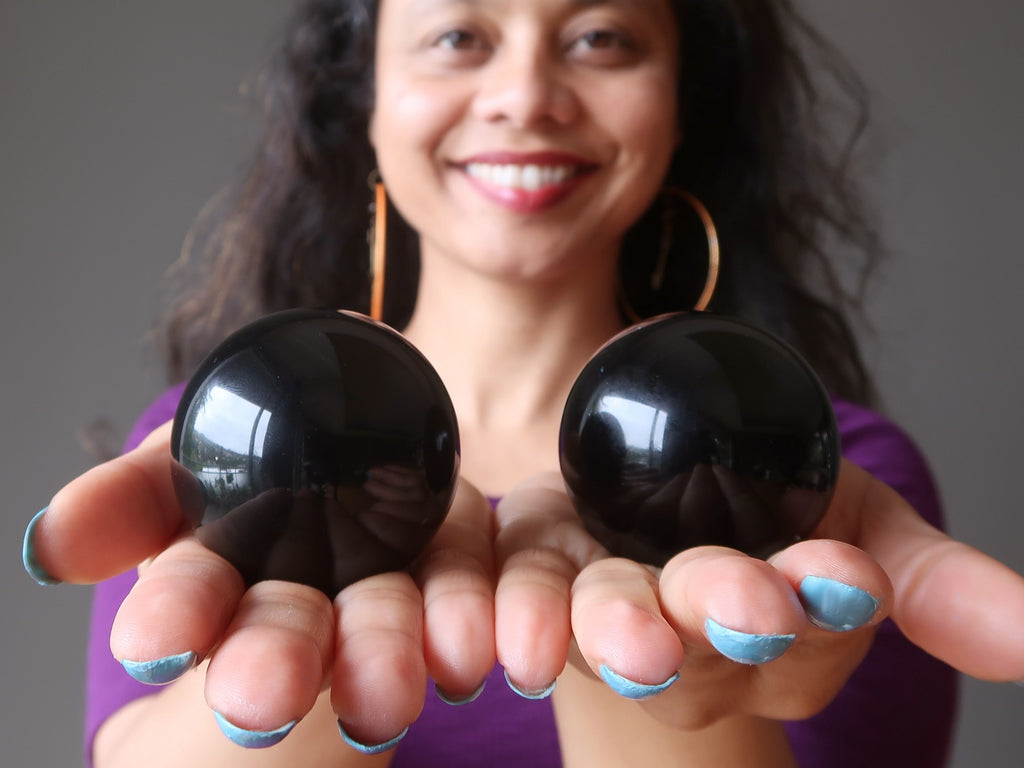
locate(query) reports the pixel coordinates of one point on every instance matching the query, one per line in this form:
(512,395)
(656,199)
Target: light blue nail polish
(28,555)
(836,606)
(160,671)
(456,701)
(744,647)
(370,749)
(543,693)
(631,689)
(252,739)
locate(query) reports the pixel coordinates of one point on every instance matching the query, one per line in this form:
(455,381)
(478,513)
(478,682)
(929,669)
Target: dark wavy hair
(757,85)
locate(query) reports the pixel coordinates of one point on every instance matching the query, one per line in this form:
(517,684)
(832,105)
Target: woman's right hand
(270,651)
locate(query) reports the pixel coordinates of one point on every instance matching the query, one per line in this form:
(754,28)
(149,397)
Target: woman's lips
(525,183)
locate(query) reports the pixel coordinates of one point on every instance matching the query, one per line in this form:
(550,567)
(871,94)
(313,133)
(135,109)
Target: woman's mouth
(526,184)
(525,177)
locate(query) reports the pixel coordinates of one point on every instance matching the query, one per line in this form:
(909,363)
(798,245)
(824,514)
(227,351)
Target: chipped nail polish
(160,671)
(542,693)
(631,689)
(371,749)
(746,648)
(252,739)
(835,606)
(28,554)
(459,701)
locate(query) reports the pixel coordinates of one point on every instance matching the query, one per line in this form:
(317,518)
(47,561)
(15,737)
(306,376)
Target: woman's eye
(603,46)
(601,39)
(458,40)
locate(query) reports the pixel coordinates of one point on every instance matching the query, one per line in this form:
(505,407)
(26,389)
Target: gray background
(118,120)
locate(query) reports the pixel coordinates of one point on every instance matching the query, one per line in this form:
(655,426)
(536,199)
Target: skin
(526,587)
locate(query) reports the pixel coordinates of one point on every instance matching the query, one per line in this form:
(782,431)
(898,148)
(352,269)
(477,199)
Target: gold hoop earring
(714,252)
(665,248)
(376,237)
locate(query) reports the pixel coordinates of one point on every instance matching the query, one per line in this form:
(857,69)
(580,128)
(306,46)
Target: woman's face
(524,137)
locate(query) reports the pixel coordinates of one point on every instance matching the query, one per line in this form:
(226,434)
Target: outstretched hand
(271,649)
(714,633)
(693,641)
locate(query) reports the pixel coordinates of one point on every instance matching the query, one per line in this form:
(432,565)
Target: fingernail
(252,739)
(542,693)
(836,606)
(631,689)
(370,749)
(160,671)
(28,554)
(744,647)
(459,701)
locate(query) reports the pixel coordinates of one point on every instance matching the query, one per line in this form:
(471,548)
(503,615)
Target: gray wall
(119,120)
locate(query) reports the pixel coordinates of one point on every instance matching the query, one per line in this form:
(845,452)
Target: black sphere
(694,429)
(316,446)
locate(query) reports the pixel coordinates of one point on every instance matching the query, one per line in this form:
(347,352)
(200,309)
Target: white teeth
(531,177)
(527,177)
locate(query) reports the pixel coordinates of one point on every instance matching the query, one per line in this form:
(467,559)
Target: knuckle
(450,561)
(286,606)
(538,564)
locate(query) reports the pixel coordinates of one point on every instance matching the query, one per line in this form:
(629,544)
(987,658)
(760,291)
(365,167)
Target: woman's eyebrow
(643,4)
(424,4)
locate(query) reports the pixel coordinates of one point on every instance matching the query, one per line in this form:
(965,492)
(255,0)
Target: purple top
(896,710)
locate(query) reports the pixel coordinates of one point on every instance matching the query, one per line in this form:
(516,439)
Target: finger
(841,587)
(532,622)
(618,626)
(380,675)
(538,513)
(953,601)
(456,577)
(738,619)
(740,606)
(111,518)
(266,674)
(540,547)
(176,612)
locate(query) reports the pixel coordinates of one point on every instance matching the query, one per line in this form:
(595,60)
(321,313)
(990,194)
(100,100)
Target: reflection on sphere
(318,447)
(695,429)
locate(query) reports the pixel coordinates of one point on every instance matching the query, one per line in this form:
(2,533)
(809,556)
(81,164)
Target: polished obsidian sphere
(695,429)
(316,446)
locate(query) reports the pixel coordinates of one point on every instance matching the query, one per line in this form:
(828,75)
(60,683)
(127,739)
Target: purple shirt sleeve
(896,710)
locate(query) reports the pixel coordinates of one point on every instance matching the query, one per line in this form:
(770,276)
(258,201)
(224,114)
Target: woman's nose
(525,86)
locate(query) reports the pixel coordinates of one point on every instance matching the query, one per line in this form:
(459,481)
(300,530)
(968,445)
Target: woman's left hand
(716,633)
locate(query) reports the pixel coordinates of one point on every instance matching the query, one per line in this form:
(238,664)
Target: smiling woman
(478,103)
(534,152)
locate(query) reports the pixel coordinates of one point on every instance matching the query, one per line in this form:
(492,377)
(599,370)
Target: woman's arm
(553,583)
(273,648)
(949,599)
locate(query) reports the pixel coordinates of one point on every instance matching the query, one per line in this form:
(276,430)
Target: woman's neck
(508,354)
(505,350)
